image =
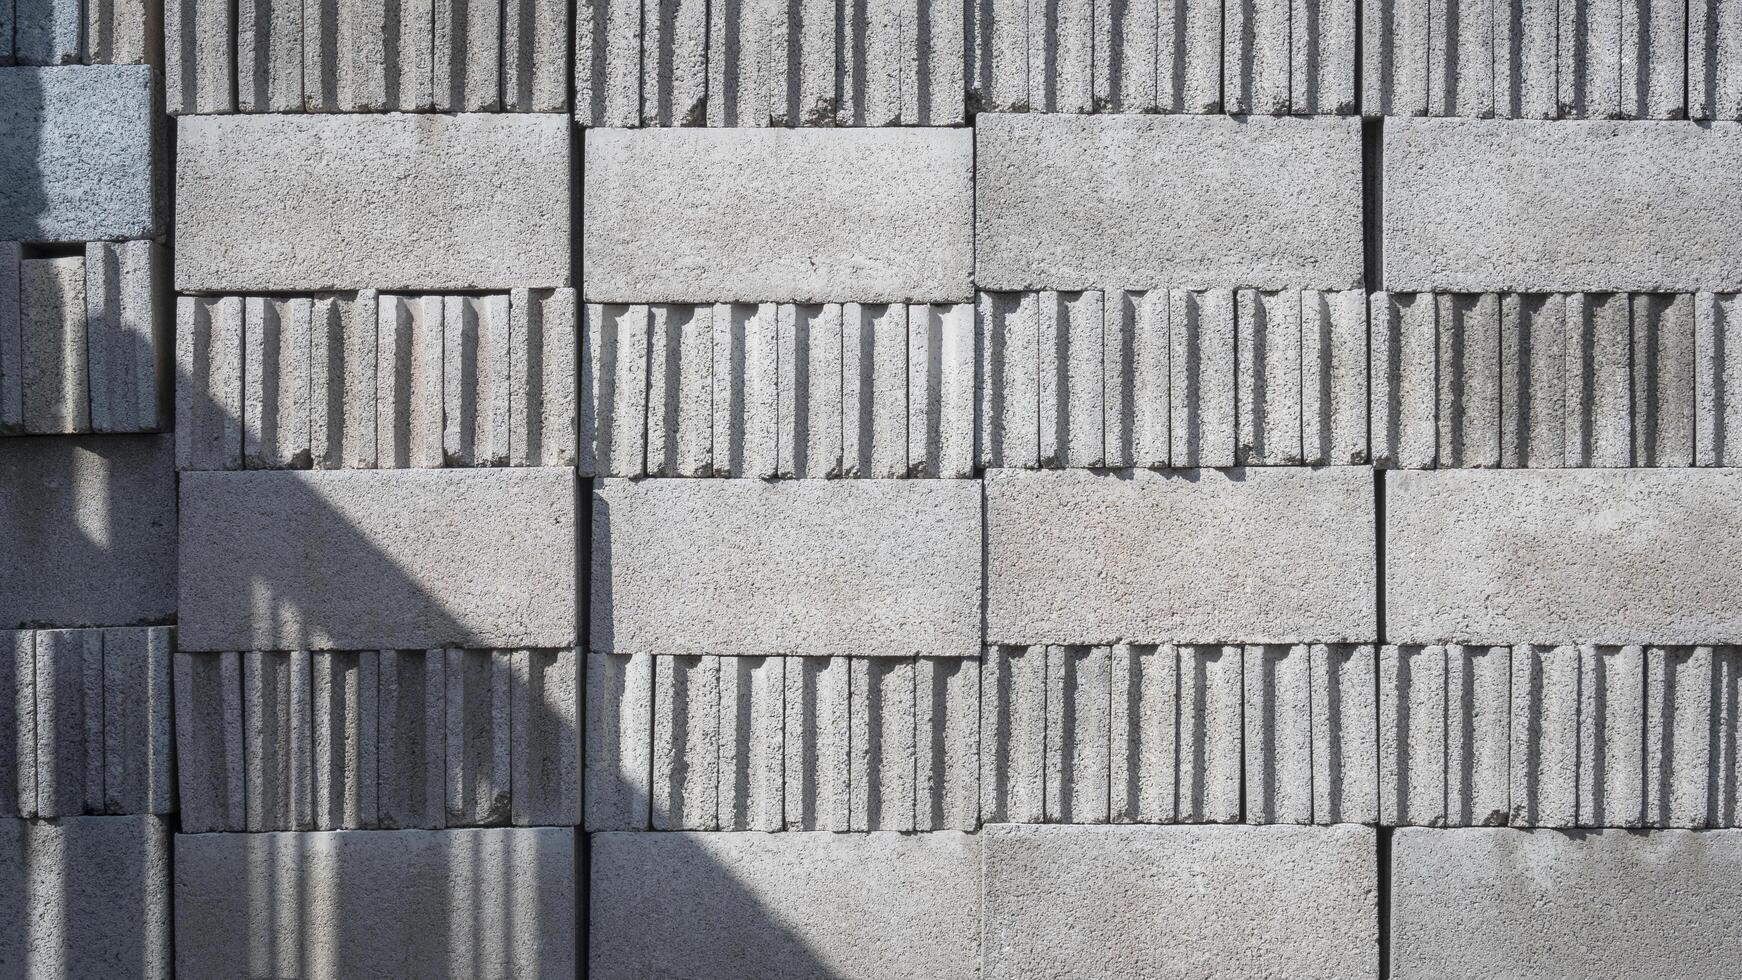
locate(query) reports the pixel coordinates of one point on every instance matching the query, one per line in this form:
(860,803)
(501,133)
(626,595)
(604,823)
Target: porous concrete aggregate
(81,149)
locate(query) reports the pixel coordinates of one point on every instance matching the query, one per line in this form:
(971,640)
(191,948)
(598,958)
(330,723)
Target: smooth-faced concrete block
(89,525)
(1128,201)
(1506,902)
(696,215)
(1600,556)
(85,897)
(1472,205)
(378,559)
(784,905)
(870,568)
(1275,555)
(474,201)
(482,903)
(1179,901)
(81,154)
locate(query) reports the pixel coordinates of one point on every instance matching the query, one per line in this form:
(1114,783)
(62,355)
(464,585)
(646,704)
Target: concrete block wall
(1195,489)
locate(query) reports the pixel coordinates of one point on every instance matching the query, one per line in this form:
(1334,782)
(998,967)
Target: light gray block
(903,64)
(811,216)
(479,703)
(1599,556)
(542,372)
(69,722)
(1405,380)
(1269,396)
(1079,693)
(686,742)
(475,558)
(94,520)
(122,32)
(1257,58)
(751,744)
(1010,379)
(1726,802)
(1204,376)
(814,743)
(875,389)
(1663,380)
(1277,732)
(467,59)
(276,347)
(343,381)
(347,748)
(1545,736)
(79,145)
(1125,201)
(138,747)
(1211,702)
(802,70)
(784,905)
(1060,57)
(85,897)
(408,376)
(1135,378)
(1126,48)
(882,751)
(680,389)
(1533,391)
(1599,402)
(608,62)
(128,336)
(209,383)
(1679,733)
(1072,422)
(1475,205)
(1478,735)
(674,62)
(1333,376)
(1714,62)
(367,904)
(269,53)
(615,365)
(278,740)
(746,390)
(1412,736)
(1269,555)
(1717,379)
(1143,733)
(1469,380)
(475,380)
(535,53)
(488,208)
(545,741)
(411,788)
(1013,735)
(57,381)
(1180,901)
(1324,69)
(1000,57)
(942,346)
(946,725)
(357,54)
(1504,902)
(199,56)
(1612,757)
(877,568)
(209,761)
(1396,38)
(808,400)
(48,32)
(619,727)
(1345,752)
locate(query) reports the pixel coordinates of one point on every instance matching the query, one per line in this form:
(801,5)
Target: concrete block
(94,520)
(1714,62)
(784,905)
(1394,69)
(1000,79)
(1278,555)
(1210,738)
(411,790)
(57,382)
(1079,713)
(815,743)
(686,737)
(535,55)
(278,740)
(1663,380)
(47,32)
(1461,58)
(1478,735)
(17,723)
(1061,40)
(199,57)
(804,84)
(1333,376)
(467,56)
(615,364)
(1345,749)
(1135,378)
(269,54)
(209,383)
(1599,402)
(545,739)
(1496,902)
(1472,205)
(276,346)
(1013,735)
(1726,802)
(81,146)
(1269,394)
(746,389)
(1405,380)
(1010,380)
(1120,202)
(409,369)
(1679,733)
(619,719)
(870,216)
(882,751)
(1278,734)
(808,370)
(751,568)
(269,181)
(1412,740)
(347,747)
(1526,72)
(69,722)
(344,381)
(1204,376)
(475,380)
(542,371)
(1323,67)
(1143,733)
(674,62)
(1533,390)
(1257,57)
(128,336)
(1612,767)
(85,897)
(1654,48)
(1717,380)
(1586,555)
(210,764)
(946,725)
(1126,48)
(366,904)
(361,56)
(474,558)
(138,747)
(905,65)
(1590,60)
(751,746)
(1072,423)
(607,47)
(479,703)
(1469,380)
(942,343)
(875,388)
(1545,736)
(11,339)
(680,389)
(1180,901)
(123,32)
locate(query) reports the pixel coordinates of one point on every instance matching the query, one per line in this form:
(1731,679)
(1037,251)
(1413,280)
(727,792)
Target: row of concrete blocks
(366,56)
(377,739)
(74,32)
(85,722)
(1530,736)
(778,390)
(81,341)
(366,380)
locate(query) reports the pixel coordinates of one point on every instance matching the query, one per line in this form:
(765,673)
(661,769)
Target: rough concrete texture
(785,905)
(81,154)
(127,336)
(381,201)
(1474,205)
(90,524)
(85,897)
(1504,902)
(1123,201)
(479,903)
(1602,556)
(1179,901)
(1259,555)
(403,559)
(871,216)
(872,568)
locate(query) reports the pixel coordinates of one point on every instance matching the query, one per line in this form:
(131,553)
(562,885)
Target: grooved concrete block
(1612,724)
(406,559)
(1133,902)
(1412,740)
(1714,62)
(409,371)
(343,904)
(17,723)
(412,783)
(1717,379)
(1265,555)
(1269,395)
(1135,378)
(371,201)
(1545,736)
(1129,201)
(546,739)
(1144,732)
(1601,556)
(347,698)
(479,703)
(127,336)
(1013,735)
(138,749)
(1478,735)
(210,763)
(874,568)
(209,383)
(1404,429)
(1506,902)
(1079,703)
(278,740)
(11,338)
(694,215)
(942,345)
(57,383)
(89,523)
(1599,400)
(751,747)
(1211,747)
(1278,734)
(1202,380)
(1345,751)
(946,725)
(686,739)
(69,722)
(1334,382)
(1469,380)
(1474,205)
(881,748)
(792,905)
(619,723)
(1533,388)
(80,151)
(814,743)
(85,897)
